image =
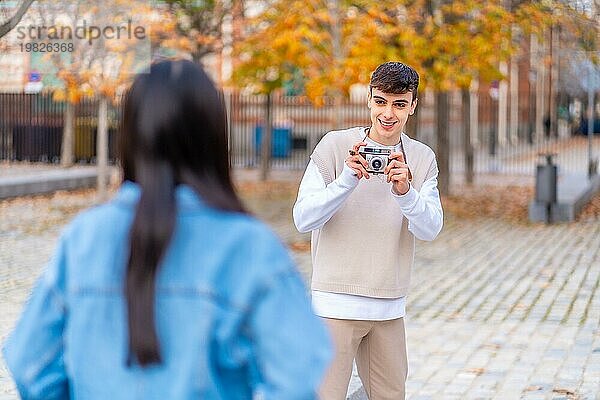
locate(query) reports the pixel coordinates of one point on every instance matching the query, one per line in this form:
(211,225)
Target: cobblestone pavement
(496,311)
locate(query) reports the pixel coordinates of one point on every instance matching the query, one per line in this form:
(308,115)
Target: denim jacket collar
(185,197)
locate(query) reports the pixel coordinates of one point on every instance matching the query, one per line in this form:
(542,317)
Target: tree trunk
(493,139)
(265,150)
(237,28)
(412,125)
(554,77)
(337,111)
(336,36)
(474,106)
(513,125)
(503,106)
(467,145)
(66,156)
(592,163)
(102,149)
(514,101)
(533,75)
(540,90)
(442,118)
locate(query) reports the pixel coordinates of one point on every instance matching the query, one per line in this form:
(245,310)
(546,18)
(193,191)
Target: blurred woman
(171,290)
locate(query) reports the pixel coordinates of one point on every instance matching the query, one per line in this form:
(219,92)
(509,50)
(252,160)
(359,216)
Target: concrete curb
(47,181)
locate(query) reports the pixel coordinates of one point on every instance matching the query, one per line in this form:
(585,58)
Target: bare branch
(15,19)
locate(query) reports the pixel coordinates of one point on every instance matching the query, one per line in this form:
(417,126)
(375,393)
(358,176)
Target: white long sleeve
(316,203)
(423,210)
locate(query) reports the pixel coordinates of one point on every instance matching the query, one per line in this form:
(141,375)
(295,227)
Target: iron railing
(31,129)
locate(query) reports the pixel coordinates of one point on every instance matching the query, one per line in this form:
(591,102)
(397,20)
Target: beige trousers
(380,351)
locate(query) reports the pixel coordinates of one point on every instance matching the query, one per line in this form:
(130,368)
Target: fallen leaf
(564,391)
(532,388)
(476,371)
(300,246)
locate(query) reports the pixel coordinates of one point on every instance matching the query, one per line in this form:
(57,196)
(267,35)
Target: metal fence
(517,150)
(31,127)
(297,127)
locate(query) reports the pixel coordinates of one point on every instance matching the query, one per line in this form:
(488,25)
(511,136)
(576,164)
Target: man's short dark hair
(395,78)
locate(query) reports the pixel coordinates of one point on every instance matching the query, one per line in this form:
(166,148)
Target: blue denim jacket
(233,317)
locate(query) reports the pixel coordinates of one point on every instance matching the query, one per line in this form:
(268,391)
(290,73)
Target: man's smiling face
(389,113)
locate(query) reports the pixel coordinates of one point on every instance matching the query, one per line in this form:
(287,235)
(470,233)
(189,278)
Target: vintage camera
(377,158)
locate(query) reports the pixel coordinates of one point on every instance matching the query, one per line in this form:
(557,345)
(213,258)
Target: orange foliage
(106,68)
(460,41)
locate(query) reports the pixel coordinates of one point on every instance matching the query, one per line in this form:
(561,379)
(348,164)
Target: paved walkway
(497,310)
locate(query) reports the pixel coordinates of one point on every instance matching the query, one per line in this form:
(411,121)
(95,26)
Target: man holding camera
(365,195)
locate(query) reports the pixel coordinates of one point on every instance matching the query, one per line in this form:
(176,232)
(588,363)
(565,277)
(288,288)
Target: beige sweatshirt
(366,248)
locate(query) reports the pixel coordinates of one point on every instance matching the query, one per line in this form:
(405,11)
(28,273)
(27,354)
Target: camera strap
(410,178)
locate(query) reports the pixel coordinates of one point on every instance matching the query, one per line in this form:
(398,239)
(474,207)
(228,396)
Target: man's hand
(398,174)
(357,162)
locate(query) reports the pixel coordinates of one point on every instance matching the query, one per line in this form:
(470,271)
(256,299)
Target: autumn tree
(199,24)
(451,43)
(99,65)
(287,41)
(337,43)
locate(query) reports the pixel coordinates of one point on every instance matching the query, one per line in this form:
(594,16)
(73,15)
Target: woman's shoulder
(104,217)
(255,236)
(242,237)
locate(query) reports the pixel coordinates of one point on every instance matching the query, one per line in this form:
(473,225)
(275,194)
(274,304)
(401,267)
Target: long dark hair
(174,130)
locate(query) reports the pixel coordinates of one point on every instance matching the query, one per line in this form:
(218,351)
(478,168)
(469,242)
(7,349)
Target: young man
(363,235)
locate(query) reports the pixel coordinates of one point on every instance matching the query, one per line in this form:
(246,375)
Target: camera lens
(376,163)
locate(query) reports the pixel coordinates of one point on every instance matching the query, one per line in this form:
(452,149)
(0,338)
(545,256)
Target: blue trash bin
(281,141)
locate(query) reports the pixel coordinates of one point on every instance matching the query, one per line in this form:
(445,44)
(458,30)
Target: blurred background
(502,80)
(503,304)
